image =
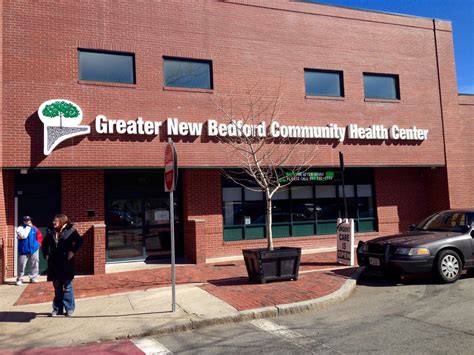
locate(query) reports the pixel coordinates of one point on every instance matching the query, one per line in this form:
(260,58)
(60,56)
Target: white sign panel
(345,241)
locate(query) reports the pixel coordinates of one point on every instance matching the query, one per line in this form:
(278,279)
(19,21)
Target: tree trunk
(269,223)
(60,120)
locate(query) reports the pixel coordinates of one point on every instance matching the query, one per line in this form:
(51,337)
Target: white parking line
(273,328)
(151,346)
(290,336)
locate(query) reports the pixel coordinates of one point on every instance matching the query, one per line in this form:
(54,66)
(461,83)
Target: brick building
(123,70)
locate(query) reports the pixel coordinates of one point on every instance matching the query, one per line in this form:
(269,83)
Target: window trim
(331,71)
(383,99)
(186,59)
(106,51)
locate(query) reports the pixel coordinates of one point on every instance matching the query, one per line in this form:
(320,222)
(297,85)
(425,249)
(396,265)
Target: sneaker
(34,280)
(69,313)
(54,313)
(19,282)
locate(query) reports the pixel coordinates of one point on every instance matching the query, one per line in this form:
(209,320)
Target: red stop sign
(171,167)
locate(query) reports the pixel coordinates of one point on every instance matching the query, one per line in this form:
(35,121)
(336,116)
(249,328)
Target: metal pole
(15,240)
(341,162)
(173,261)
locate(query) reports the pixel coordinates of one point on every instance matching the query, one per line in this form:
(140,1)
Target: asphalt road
(414,317)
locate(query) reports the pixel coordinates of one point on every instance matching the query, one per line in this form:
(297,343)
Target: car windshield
(444,222)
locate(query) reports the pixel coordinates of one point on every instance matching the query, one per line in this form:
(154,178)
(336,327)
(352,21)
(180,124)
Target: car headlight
(364,248)
(412,251)
(402,251)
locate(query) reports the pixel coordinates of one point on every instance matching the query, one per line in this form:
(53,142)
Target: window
(187,73)
(323,83)
(306,208)
(108,67)
(381,86)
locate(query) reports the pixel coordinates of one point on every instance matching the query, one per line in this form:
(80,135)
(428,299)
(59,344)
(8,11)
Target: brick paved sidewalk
(319,276)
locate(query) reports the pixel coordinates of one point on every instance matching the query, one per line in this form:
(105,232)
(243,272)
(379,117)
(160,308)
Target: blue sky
(459,12)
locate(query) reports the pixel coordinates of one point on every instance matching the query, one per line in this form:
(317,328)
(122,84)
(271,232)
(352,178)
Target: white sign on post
(345,241)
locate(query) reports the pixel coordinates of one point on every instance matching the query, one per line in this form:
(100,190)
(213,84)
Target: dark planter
(272,265)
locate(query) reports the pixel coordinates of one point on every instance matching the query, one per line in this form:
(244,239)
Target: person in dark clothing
(61,243)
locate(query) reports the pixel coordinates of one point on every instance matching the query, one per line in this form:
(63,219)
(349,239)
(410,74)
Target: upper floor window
(111,67)
(323,82)
(381,86)
(187,73)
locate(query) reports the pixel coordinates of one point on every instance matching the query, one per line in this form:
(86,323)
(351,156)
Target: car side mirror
(412,227)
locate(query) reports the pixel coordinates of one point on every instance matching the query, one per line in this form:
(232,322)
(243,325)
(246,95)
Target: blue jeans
(63,296)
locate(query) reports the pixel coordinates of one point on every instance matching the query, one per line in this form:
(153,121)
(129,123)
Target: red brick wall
(203,228)
(3,222)
(268,43)
(407,196)
(457,116)
(82,191)
(437,192)
(460,157)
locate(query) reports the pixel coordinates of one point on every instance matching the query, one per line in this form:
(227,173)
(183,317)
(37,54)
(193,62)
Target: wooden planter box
(280,264)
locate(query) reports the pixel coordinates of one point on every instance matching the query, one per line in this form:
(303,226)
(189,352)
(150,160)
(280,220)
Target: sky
(459,12)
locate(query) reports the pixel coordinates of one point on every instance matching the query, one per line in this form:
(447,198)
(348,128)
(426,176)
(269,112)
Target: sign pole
(341,162)
(171,178)
(173,260)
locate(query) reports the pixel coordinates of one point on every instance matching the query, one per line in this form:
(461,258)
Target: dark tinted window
(106,66)
(187,73)
(323,83)
(381,86)
(448,221)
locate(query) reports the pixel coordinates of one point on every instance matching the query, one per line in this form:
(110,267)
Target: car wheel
(449,266)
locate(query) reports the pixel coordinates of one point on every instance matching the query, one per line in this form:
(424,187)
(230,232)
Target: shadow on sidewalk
(344,273)
(232,281)
(20,317)
(320,263)
(375,278)
(123,315)
(26,317)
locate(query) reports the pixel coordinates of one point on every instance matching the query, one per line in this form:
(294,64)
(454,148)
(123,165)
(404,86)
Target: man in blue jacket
(29,242)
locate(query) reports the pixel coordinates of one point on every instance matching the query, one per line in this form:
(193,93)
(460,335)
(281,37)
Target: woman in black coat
(59,247)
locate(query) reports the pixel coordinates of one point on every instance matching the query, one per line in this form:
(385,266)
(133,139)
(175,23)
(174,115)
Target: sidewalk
(138,303)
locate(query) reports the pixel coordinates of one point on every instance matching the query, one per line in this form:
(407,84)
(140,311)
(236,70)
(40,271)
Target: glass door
(125,229)
(138,218)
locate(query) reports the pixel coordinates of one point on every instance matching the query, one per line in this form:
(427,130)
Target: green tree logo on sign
(62,110)
(61,119)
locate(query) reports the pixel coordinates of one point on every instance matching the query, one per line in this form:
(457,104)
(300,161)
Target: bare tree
(266,163)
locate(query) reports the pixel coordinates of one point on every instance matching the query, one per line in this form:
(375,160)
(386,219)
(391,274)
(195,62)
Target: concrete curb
(344,292)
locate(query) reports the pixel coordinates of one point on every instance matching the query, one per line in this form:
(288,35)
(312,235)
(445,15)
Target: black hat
(27,218)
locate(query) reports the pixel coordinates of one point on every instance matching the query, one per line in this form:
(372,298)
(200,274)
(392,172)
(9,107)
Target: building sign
(61,119)
(345,241)
(309,176)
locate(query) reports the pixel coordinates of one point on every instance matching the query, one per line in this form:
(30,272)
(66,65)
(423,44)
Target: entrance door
(39,197)
(137,218)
